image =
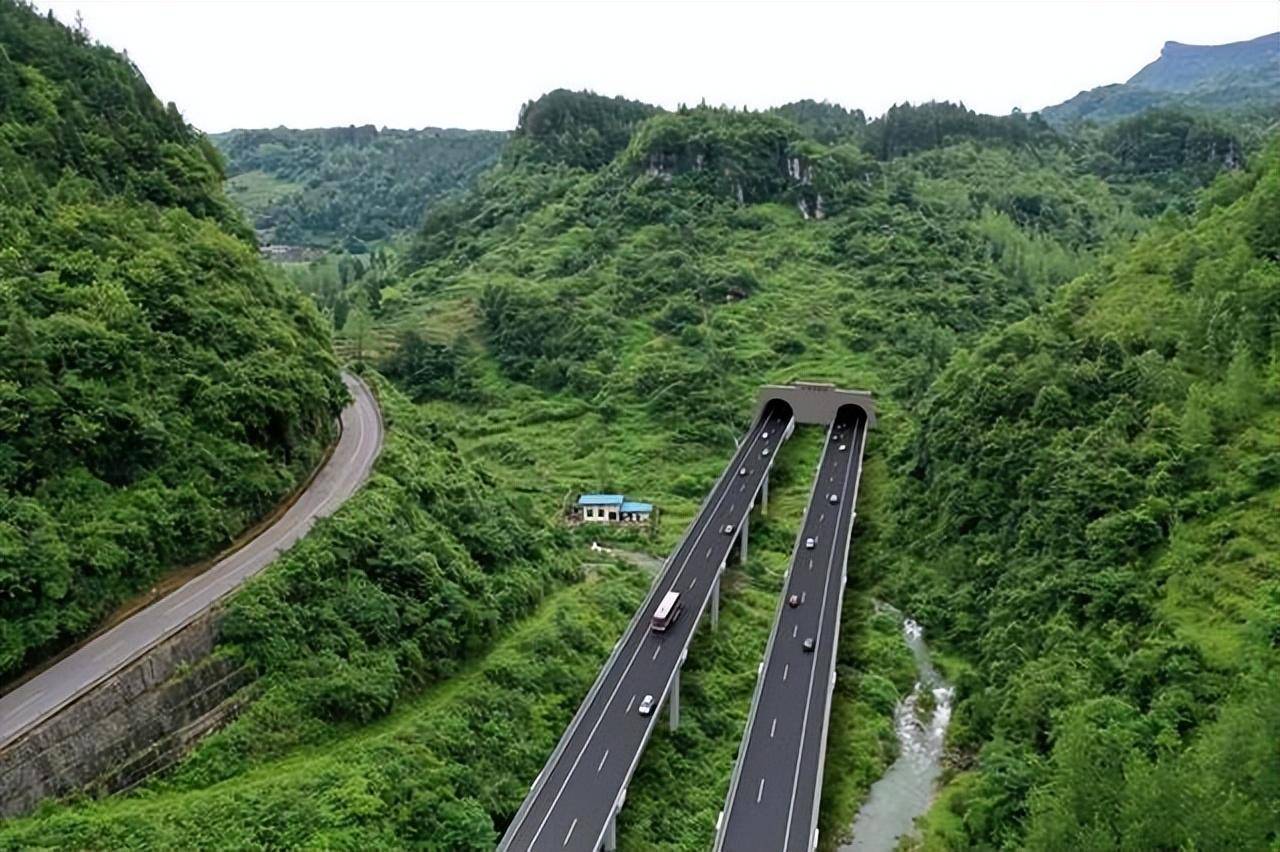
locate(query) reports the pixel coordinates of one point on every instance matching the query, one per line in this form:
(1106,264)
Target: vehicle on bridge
(667,612)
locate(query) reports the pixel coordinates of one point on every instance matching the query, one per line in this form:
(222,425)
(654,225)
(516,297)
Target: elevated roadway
(573,802)
(773,795)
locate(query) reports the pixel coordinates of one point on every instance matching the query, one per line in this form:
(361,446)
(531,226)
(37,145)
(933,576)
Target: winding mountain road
(66,680)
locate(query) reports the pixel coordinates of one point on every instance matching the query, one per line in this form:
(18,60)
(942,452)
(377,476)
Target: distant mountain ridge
(348,185)
(1242,76)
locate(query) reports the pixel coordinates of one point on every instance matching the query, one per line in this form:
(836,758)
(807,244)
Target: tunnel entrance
(816,402)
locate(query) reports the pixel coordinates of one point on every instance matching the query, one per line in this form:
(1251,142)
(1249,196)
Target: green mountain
(159,390)
(346,186)
(1073,341)
(1242,77)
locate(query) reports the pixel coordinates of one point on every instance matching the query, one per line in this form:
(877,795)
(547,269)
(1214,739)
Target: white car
(764,436)
(742,471)
(646,706)
(844,447)
(808,544)
(833,499)
(727,529)
(765,451)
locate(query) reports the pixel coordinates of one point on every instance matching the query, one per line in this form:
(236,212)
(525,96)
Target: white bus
(667,612)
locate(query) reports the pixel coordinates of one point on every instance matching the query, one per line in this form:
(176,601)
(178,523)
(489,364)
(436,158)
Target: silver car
(646,706)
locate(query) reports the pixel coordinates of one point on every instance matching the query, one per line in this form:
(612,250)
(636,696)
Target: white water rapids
(905,791)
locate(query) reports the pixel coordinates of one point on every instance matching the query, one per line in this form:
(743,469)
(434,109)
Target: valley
(1069,320)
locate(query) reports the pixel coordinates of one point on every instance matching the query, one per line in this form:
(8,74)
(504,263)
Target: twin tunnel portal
(773,796)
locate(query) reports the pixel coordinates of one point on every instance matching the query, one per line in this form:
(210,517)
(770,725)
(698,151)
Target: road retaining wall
(136,722)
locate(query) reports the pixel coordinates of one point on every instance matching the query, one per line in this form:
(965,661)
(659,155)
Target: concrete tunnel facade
(816,402)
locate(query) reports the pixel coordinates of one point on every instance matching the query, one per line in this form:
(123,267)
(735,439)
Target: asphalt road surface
(73,675)
(574,796)
(773,800)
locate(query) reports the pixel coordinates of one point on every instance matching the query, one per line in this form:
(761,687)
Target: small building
(612,509)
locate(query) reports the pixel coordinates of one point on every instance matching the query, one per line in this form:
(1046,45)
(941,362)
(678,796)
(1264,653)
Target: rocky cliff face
(1240,76)
(1188,67)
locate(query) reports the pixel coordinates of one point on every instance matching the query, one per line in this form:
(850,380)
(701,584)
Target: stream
(905,791)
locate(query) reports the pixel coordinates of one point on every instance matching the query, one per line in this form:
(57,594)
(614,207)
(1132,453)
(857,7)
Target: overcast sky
(398,64)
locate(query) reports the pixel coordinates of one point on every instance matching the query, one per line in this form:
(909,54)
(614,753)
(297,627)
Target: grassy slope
(379,786)
(256,190)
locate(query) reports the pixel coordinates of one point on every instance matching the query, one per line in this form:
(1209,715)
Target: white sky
(398,64)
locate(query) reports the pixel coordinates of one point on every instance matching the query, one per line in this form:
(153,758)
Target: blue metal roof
(642,508)
(600,499)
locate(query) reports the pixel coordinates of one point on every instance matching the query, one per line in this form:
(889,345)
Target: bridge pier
(764,495)
(673,701)
(715,601)
(611,834)
(742,539)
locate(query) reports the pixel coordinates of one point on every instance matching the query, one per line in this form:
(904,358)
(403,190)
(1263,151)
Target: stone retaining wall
(138,721)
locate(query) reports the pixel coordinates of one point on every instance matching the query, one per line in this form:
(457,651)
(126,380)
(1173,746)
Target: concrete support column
(764,495)
(611,834)
(742,539)
(715,603)
(673,701)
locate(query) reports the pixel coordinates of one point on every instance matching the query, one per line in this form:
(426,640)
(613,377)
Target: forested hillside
(343,187)
(159,389)
(1073,473)
(1086,510)
(1072,338)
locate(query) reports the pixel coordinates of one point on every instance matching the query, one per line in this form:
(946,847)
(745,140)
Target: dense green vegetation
(613,321)
(1073,339)
(427,777)
(348,187)
(1083,513)
(159,389)
(418,572)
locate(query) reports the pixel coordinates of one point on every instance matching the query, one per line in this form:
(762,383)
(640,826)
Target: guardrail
(641,612)
(768,651)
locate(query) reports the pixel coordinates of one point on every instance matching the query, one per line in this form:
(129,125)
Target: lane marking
(795,630)
(813,670)
(657,651)
(786,668)
(602,760)
(773,727)
(631,703)
(109,650)
(18,709)
(760,792)
(694,583)
(570,834)
(176,605)
(831,555)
